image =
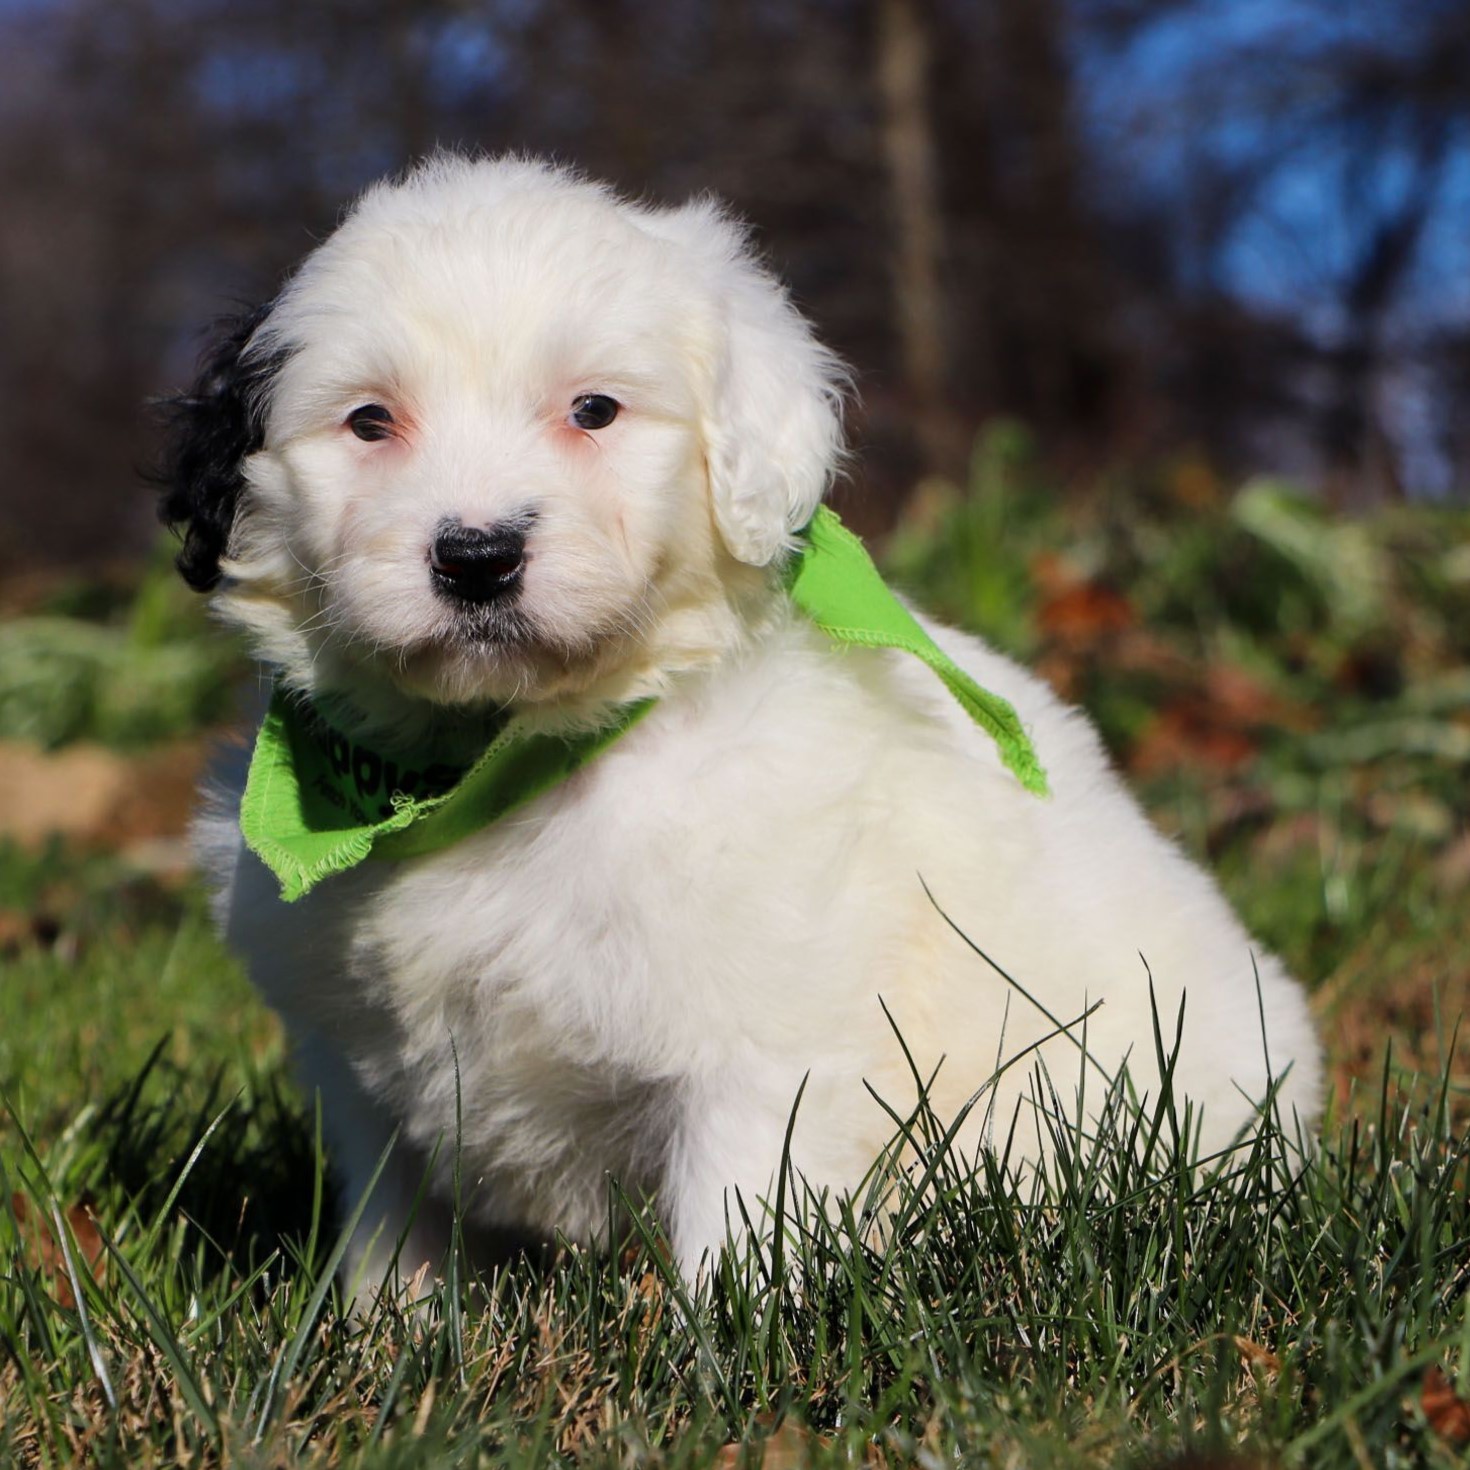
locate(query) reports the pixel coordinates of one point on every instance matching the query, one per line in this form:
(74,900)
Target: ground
(1289,695)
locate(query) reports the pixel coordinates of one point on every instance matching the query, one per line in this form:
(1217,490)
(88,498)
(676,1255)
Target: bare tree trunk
(908,145)
(1061,301)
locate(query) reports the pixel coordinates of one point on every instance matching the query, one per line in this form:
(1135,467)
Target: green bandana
(318,803)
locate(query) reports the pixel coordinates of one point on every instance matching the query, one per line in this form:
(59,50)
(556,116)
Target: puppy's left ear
(213,429)
(773,419)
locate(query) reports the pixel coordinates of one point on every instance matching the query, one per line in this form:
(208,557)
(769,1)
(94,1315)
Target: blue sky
(1170,113)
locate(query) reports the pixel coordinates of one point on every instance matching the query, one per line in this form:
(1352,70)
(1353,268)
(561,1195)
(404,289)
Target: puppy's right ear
(212,430)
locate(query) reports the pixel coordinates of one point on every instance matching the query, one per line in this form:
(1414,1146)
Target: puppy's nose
(475,565)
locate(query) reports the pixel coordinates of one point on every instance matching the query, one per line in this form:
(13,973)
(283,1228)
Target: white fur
(633,974)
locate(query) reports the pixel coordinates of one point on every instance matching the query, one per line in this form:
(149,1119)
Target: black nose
(474,565)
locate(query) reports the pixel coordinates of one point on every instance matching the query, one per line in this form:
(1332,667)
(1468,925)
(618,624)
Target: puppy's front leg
(358,1131)
(726,1153)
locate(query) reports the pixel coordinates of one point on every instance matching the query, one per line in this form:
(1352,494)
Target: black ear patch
(212,429)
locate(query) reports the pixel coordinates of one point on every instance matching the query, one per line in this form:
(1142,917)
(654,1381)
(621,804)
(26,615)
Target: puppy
(507,446)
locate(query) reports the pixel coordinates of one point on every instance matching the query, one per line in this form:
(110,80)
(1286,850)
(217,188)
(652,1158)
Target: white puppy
(506,441)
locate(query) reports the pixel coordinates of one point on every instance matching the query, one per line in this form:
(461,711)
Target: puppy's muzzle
(478,566)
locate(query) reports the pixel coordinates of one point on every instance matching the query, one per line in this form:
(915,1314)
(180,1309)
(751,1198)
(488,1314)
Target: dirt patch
(96,796)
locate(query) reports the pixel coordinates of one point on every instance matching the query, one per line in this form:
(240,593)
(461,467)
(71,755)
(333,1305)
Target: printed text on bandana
(361,783)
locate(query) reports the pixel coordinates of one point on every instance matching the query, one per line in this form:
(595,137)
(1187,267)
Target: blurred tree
(902,61)
(1305,169)
(1137,224)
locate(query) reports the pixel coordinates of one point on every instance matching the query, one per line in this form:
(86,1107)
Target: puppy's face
(503,436)
(484,441)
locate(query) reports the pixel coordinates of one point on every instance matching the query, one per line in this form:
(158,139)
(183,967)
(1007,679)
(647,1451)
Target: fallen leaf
(1257,1356)
(1239,696)
(43,1252)
(1448,1414)
(1141,651)
(786,1448)
(1084,614)
(1189,733)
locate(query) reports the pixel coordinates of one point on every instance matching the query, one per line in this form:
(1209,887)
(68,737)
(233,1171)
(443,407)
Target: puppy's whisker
(326,617)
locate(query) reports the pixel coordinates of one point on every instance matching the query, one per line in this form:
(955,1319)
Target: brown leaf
(1238,696)
(1257,1356)
(1448,1414)
(787,1448)
(1084,614)
(43,1252)
(1188,734)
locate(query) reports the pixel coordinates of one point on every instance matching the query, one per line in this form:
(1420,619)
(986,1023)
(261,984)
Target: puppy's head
(504,438)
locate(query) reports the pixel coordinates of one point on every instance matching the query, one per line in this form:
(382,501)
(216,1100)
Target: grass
(1292,716)
(124,662)
(1117,1304)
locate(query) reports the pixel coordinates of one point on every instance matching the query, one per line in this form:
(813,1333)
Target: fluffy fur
(633,975)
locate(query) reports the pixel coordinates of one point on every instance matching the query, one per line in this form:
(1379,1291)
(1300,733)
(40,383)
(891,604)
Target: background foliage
(1287,690)
(1140,226)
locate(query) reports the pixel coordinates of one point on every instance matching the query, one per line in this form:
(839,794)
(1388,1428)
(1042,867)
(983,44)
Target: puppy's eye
(594,411)
(371,421)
